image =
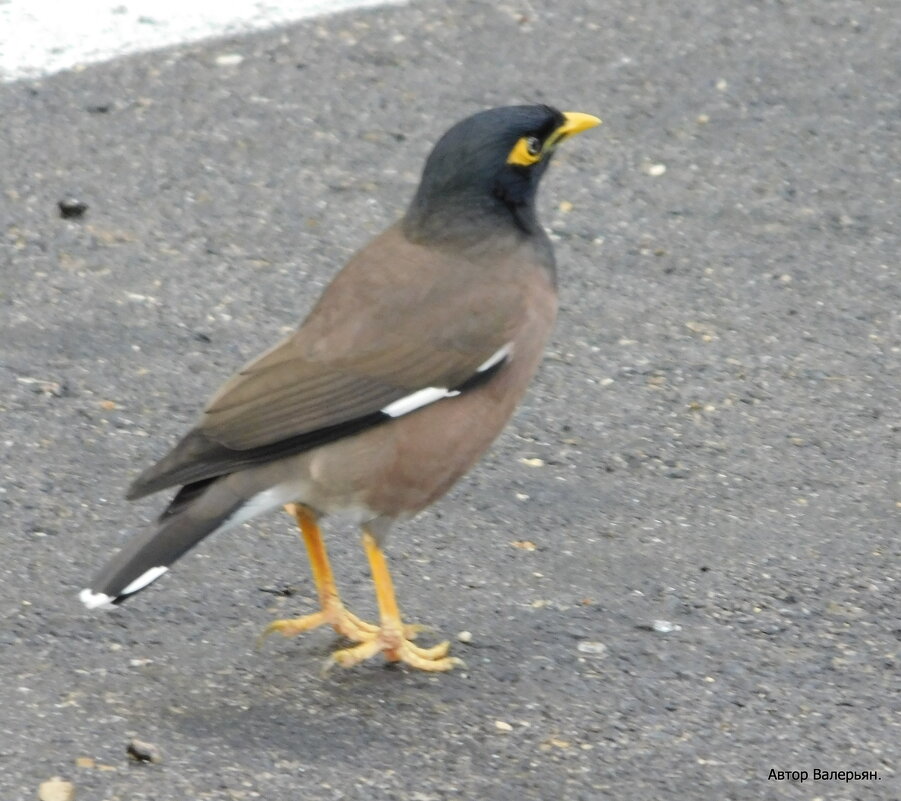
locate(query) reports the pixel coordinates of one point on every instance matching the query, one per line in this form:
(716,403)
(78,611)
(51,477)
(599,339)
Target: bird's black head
(485,170)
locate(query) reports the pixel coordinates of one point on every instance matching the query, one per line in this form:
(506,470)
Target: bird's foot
(334,614)
(341,619)
(393,639)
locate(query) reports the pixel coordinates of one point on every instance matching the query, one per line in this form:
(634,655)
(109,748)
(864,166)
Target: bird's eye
(526,151)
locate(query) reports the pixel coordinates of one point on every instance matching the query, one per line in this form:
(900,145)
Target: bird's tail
(196,512)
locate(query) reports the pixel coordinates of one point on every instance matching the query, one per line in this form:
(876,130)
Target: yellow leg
(392,638)
(332,611)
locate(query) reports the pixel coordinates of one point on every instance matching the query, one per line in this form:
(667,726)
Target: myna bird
(405,371)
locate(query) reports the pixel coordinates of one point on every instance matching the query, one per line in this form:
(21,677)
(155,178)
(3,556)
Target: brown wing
(399,318)
(298,396)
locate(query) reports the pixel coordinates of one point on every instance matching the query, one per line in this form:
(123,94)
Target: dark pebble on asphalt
(140,751)
(71,208)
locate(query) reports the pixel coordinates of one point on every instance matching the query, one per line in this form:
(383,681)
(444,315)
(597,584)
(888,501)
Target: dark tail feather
(176,467)
(146,557)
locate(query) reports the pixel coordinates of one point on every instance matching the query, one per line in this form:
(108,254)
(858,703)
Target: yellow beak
(573,122)
(576,122)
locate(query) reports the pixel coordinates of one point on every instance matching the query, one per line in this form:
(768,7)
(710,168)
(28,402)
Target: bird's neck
(461,218)
(481,234)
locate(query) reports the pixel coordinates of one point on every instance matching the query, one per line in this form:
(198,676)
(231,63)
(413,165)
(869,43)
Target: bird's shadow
(283,697)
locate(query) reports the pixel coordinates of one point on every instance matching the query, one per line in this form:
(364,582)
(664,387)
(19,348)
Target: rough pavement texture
(717,417)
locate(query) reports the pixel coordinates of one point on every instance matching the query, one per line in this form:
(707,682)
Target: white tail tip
(95,600)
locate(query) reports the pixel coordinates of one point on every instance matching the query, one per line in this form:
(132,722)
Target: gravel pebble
(56,789)
(141,751)
(592,648)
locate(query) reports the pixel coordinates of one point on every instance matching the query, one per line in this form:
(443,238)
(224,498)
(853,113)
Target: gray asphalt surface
(717,417)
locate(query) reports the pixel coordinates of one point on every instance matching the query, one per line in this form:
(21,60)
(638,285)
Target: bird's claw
(395,642)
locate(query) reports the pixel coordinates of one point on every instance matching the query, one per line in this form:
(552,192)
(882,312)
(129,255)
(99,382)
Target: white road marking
(40,37)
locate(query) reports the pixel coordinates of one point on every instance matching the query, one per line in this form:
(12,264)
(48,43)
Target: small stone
(71,208)
(703,119)
(521,496)
(229,59)
(56,789)
(565,206)
(44,386)
(665,626)
(502,725)
(108,405)
(524,545)
(656,170)
(85,762)
(592,648)
(722,85)
(464,636)
(141,751)
(708,333)
(533,462)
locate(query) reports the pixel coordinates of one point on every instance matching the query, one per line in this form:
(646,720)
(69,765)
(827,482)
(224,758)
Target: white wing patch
(417,400)
(499,355)
(424,397)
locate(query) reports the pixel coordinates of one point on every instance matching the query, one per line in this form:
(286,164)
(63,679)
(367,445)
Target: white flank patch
(417,400)
(261,503)
(143,580)
(499,355)
(40,37)
(95,600)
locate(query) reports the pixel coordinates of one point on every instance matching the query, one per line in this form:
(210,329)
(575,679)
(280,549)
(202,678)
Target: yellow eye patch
(525,152)
(529,149)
